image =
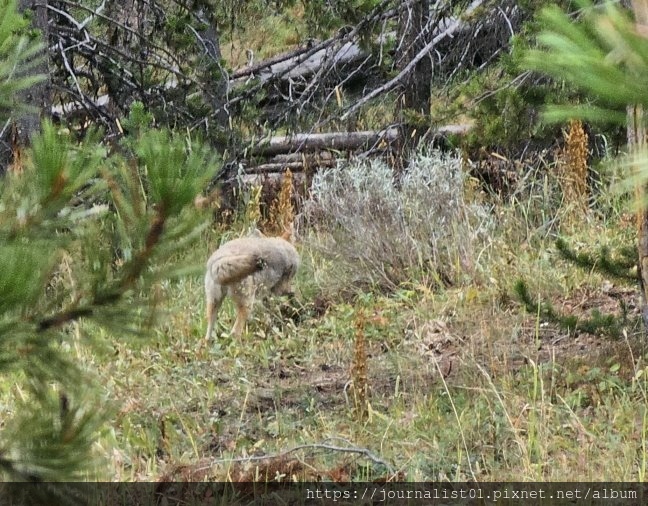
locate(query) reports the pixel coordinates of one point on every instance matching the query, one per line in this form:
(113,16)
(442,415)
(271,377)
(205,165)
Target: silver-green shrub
(372,229)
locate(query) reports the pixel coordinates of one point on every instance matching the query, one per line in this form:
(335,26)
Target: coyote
(241,266)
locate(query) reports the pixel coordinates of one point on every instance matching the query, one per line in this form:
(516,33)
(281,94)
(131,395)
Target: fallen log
(337,141)
(291,160)
(267,168)
(341,141)
(272,178)
(308,158)
(262,65)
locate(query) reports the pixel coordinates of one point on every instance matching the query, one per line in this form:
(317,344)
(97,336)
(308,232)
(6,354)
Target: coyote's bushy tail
(233,268)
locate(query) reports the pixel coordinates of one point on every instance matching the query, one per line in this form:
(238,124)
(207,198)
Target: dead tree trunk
(636,142)
(38,95)
(415,100)
(215,90)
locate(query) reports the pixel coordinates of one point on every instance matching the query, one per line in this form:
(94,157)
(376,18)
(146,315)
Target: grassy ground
(462,383)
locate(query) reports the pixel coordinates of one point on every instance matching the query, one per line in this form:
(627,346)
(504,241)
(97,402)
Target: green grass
(463,384)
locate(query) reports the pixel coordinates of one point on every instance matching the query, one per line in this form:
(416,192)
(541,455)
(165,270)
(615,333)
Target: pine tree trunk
(636,143)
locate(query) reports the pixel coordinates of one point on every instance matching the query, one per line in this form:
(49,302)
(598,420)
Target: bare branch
(379,14)
(253,69)
(69,69)
(97,13)
(390,85)
(315,446)
(66,15)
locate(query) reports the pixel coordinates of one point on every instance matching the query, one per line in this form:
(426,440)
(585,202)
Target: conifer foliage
(84,231)
(620,265)
(601,50)
(18,55)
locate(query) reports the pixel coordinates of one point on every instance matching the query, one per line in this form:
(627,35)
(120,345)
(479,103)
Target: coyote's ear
(256,233)
(289,233)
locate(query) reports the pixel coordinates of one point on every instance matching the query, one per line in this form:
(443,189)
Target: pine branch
(111,296)
(622,268)
(9,468)
(66,316)
(141,259)
(598,323)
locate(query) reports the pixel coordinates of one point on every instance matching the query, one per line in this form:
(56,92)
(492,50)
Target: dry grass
(359,383)
(252,212)
(265,34)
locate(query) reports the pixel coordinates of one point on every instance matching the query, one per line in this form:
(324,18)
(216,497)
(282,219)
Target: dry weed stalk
(18,154)
(574,165)
(282,214)
(359,370)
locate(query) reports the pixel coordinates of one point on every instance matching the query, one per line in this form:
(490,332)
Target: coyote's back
(241,267)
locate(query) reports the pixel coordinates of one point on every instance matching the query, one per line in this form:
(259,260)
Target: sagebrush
(374,229)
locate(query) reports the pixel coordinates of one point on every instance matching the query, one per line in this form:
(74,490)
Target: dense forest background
(466,180)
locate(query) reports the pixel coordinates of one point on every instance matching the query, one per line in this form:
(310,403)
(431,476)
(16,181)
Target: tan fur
(242,267)
(231,269)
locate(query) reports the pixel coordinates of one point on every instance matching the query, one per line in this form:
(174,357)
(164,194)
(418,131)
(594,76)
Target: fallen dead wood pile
(268,159)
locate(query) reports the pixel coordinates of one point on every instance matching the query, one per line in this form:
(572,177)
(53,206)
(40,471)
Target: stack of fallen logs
(304,154)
